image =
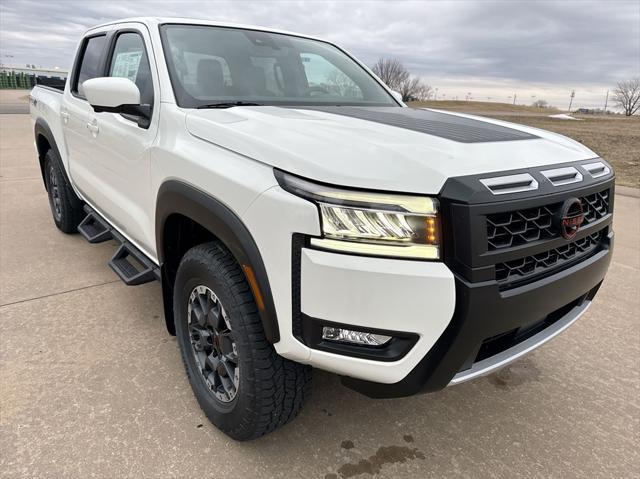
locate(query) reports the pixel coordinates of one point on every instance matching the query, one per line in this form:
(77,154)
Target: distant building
(34,70)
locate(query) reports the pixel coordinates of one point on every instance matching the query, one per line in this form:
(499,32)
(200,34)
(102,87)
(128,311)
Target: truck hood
(393,149)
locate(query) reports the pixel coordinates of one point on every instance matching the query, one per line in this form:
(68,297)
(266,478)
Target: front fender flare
(176,197)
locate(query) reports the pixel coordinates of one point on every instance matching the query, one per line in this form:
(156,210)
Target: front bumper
(491,328)
(500,360)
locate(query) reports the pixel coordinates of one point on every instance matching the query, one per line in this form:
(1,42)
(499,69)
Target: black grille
(595,206)
(523,268)
(515,228)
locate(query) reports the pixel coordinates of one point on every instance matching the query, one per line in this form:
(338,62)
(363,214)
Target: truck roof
(155,21)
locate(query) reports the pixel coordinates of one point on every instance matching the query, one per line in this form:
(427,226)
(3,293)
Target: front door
(121,155)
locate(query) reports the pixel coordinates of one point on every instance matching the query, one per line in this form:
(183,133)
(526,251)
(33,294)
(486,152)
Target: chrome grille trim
(502,185)
(557,177)
(563,176)
(597,169)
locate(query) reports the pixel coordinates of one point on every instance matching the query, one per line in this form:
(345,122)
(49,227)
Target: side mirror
(397,95)
(115,95)
(111,92)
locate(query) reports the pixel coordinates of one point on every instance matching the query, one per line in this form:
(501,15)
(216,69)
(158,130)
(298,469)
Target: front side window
(90,62)
(209,65)
(129,60)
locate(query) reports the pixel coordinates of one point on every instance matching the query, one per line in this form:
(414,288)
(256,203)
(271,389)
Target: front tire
(243,386)
(66,207)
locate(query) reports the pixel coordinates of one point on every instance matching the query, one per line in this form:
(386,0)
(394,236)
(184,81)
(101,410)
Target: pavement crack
(8,179)
(58,293)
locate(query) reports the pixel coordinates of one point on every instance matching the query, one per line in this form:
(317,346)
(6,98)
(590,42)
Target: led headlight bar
(371,223)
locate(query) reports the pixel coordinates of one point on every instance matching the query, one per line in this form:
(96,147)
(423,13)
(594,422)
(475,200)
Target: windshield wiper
(228,104)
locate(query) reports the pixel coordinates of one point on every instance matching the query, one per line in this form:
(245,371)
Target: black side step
(140,271)
(130,264)
(93,228)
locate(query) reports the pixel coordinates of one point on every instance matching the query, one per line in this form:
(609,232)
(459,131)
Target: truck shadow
(358,435)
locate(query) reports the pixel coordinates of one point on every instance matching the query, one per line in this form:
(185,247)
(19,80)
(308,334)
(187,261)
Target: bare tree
(409,88)
(392,72)
(423,92)
(413,88)
(627,95)
(540,104)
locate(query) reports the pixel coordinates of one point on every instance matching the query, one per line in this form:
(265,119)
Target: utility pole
(514,98)
(573,93)
(606,100)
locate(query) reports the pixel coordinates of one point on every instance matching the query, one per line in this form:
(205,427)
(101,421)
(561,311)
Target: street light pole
(573,93)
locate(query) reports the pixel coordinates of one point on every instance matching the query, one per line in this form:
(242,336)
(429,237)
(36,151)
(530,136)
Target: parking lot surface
(91,385)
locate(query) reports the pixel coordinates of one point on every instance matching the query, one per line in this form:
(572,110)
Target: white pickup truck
(298,214)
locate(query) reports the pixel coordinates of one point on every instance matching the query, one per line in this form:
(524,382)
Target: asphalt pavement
(91,385)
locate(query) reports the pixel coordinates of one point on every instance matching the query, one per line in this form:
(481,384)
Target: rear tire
(66,207)
(243,386)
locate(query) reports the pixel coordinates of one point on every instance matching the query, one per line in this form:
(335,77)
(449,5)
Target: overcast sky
(490,49)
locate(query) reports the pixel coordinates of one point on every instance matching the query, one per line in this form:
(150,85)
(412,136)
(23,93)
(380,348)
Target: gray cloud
(585,44)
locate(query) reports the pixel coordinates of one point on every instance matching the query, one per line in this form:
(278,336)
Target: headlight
(371,223)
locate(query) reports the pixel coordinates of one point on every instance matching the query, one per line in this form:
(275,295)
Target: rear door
(120,156)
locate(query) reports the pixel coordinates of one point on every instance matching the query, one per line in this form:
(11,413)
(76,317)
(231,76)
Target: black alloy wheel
(212,343)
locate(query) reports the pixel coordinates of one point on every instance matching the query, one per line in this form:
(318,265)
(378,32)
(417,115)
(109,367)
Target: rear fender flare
(41,129)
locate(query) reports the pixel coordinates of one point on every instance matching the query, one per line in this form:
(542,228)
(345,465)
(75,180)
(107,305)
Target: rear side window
(90,62)
(129,60)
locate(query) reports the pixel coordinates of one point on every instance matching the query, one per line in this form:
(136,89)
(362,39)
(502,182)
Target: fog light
(354,337)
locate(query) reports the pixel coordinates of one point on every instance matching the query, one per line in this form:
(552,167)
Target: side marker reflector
(253,284)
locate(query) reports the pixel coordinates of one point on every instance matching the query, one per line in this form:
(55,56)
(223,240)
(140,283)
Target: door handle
(65,116)
(93,127)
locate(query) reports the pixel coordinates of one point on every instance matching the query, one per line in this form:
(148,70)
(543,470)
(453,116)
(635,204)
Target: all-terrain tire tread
(280,385)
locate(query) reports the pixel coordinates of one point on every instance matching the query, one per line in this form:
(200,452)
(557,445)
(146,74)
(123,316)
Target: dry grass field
(479,107)
(615,138)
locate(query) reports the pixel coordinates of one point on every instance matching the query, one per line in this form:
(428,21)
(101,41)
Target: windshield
(213,65)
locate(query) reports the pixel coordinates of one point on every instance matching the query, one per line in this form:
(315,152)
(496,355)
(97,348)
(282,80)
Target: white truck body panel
(424,304)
